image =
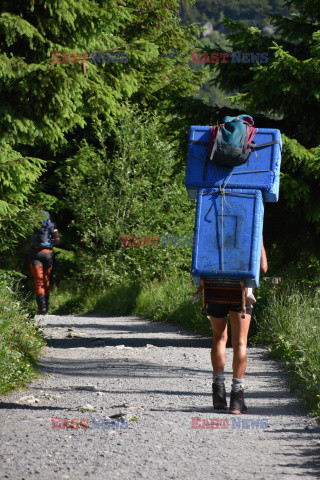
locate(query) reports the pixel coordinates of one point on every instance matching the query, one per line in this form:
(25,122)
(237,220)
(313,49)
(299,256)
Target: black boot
(41,301)
(47,302)
(219,396)
(237,404)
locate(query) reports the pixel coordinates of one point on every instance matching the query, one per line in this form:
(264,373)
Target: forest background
(102,146)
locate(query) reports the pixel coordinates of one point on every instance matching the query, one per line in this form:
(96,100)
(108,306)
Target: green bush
(288,320)
(20,340)
(117,300)
(171,300)
(134,188)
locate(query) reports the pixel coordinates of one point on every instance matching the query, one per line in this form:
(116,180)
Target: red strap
(252,132)
(213,133)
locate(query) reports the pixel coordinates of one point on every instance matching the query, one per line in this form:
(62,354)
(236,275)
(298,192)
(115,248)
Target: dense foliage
(287,91)
(20,337)
(102,146)
(124,203)
(57,107)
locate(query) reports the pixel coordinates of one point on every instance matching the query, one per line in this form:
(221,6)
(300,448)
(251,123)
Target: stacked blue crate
(260,172)
(229,213)
(228,235)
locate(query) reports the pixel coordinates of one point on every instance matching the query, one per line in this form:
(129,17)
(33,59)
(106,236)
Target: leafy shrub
(20,340)
(288,320)
(128,188)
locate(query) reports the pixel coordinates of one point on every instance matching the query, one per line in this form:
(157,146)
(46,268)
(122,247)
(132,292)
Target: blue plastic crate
(228,235)
(261,173)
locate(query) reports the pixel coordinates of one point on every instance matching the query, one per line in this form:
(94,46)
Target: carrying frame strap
(267,144)
(244,299)
(214,292)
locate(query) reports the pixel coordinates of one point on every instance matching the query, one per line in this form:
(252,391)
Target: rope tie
(223,199)
(223,193)
(232,193)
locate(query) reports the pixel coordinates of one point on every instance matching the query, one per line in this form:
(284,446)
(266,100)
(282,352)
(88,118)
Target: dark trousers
(41,266)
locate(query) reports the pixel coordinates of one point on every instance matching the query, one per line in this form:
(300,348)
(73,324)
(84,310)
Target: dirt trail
(156,379)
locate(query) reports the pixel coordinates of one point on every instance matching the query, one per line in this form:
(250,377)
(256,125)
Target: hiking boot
(219,396)
(47,303)
(41,302)
(237,404)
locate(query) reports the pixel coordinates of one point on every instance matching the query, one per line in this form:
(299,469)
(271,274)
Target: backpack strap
(244,139)
(198,142)
(209,157)
(253,145)
(216,142)
(205,168)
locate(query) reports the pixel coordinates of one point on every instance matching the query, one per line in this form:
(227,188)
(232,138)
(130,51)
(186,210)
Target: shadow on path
(137,342)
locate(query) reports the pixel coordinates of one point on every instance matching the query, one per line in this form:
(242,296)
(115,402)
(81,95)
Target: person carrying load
(230,176)
(239,333)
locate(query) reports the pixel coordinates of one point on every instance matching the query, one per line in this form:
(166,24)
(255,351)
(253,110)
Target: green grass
(171,300)
(288,320)
(168,300)
(20,342)
(120,300)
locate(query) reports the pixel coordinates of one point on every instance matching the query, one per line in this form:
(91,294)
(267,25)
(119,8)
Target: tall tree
(286,90)
(51,101)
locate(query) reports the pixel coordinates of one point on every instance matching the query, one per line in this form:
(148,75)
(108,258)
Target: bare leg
(239,333)
(220,336)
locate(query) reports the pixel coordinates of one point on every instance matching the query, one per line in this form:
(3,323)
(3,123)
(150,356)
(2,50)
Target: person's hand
(263,261)
(56,238)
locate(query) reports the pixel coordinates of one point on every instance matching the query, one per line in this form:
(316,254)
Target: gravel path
(148,384)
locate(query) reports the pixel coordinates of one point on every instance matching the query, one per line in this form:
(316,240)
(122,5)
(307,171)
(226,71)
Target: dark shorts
(218,310)
(41,257)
